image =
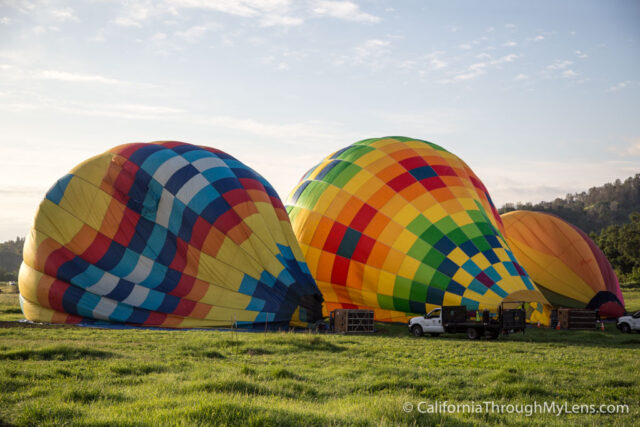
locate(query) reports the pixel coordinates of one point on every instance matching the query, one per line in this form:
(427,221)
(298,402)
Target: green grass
(84,376)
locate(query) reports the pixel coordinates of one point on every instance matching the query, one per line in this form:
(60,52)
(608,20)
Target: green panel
(335,171)
(432,235)
(385,302)
(476,216)
(310,196)
(433,258)
(481,243)
(354,153)
(418,291)
(486,229)
(292,211)
(366,141)
(401,304)
(447,225)
(440,281)
(346,174)
(419,250)
(424,274)
(458,237)
(471,230)
(402,287)
(419,225)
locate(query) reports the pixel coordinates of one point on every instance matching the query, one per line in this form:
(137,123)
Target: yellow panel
(451,299)
(219,296)
(458,256)
(435,213)
(481,261)
(405,215)
(462,277)
(386,282)
(326,199)
(409,266)
(57,223)
(94,169)
(404,241)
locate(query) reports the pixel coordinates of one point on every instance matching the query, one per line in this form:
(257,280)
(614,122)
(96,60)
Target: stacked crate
(347,321)
(576,319)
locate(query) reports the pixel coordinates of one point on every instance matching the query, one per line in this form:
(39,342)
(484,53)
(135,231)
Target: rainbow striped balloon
(402,226)
(165,234)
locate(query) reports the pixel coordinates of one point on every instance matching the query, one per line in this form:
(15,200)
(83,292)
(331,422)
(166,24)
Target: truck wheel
(435,334)
(625,328)
(416,330)
(472,333)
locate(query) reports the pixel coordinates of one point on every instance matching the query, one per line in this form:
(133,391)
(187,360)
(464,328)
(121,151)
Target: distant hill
(592,210)
(10,259)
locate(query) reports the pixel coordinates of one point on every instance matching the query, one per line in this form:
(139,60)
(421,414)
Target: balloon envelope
(165,234)
(402,226)
(566,265)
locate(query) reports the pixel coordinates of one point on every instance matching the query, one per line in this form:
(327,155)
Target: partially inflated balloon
(402,226)
(566,265)
(165,234)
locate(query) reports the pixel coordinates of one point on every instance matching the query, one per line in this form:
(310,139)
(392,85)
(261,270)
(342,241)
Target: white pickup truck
(630,323)
(454,319)
(430,323)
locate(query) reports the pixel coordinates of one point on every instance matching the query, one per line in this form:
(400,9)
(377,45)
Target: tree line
(592,210)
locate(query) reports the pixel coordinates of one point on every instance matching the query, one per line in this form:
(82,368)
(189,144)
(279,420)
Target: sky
(539,98)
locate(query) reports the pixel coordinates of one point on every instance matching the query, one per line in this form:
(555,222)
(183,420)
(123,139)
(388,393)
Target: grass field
(86,376)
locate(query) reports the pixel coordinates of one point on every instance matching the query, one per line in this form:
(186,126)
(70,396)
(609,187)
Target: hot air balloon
(401,226)
(565,264)
(165,234)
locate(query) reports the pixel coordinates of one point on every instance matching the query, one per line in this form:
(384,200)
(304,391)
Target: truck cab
(430,323)
(630,323)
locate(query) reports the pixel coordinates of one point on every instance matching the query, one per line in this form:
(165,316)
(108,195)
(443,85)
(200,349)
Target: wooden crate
(348,321)
(576,319)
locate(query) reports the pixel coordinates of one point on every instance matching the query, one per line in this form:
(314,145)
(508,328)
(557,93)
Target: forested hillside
(592,210)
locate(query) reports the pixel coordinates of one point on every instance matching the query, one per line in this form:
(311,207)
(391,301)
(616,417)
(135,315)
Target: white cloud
(465,46)
(371,49)
(538,38)
(511,27)
(521,77)
(568,74)
(4,20)
(510,44)
(343,10)
(619,86)
(559,65)
(581,54)
(193,34)
(491,29)
(65,14)
(275,20)
(479,68)
(76,77)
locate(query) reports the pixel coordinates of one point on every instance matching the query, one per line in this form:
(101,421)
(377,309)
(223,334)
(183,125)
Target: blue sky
(539,98)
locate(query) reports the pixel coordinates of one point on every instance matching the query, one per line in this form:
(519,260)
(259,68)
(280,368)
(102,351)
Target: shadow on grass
(200,351)
(37,416)
(137,369)
(59,352)
(87,396)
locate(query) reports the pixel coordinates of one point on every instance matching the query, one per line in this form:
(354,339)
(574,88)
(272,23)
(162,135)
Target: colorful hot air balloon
(401,226)
(165,234)
(566,265)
